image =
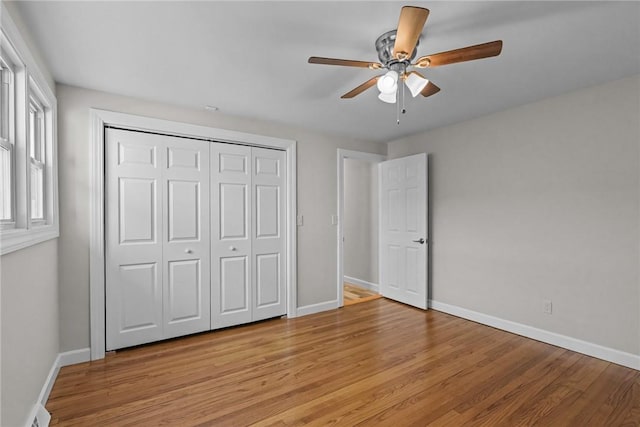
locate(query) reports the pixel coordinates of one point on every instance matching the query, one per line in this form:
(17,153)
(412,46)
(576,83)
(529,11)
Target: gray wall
(29,327)
(317,184)
(361,220)
(541,201)
(28,308)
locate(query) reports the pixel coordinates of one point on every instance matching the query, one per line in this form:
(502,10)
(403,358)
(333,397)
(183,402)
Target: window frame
(29,84)
(7,72)
(37,155)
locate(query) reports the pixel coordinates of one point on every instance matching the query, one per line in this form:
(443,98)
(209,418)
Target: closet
(194,236)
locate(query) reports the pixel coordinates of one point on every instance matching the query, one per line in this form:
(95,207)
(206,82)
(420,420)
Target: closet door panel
(133,230)
(234,295)
(231,227)
(184,291)
(268,279)
(187,256)
(268,239)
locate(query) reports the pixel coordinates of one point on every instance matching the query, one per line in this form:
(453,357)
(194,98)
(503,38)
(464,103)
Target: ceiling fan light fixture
(389,98)
(388,84)
(415,83)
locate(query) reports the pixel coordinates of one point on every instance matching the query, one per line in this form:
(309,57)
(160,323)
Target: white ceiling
(250,58)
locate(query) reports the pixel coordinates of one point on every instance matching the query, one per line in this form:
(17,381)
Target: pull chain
(404,110)
(398,107)
(400,96)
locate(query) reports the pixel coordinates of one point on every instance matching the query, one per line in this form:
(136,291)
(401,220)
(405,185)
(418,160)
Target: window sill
(16,239)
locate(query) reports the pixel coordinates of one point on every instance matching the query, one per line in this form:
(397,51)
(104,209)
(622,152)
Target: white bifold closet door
(157,237)
(247,234)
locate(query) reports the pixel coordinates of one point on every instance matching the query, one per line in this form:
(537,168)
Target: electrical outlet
(547,306)
(334,219)
(300,220)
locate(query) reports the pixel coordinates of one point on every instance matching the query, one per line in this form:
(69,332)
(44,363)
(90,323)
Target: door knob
(421,241)
(187,251)
(232,248)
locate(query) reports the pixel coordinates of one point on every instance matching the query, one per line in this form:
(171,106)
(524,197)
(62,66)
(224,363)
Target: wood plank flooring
(375,363)
(355,294)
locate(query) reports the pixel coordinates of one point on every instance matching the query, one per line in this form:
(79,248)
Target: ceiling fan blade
(479,51)
(364,86)
(429,89)
(344,62)
(410,27)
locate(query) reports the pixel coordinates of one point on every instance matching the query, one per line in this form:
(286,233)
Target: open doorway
(358,227)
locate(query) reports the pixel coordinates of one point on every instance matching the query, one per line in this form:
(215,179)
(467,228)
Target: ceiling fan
(397,48)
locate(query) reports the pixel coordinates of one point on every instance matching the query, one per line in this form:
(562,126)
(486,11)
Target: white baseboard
(316,308)
(75,356)
(62,359)
(368,285)
(48,383)
(590,349)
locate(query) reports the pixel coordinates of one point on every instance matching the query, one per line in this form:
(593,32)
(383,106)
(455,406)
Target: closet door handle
(421,241)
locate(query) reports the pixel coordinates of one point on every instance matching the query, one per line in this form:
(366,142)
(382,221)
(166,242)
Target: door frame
(342,155)
(99,119)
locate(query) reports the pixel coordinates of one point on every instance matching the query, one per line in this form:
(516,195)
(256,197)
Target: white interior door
(403,230)
(231,170)
(157,237)
(268,245)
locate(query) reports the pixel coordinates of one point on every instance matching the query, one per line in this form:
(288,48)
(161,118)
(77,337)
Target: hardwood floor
(376,363)
(355,294)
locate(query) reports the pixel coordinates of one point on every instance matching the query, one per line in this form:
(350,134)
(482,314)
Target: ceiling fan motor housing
(384,46)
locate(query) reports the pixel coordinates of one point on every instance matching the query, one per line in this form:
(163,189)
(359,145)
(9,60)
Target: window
(28,169)
(6,142)
(36,159)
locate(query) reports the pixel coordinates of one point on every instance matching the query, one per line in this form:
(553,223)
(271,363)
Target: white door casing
(342,156)
(403,225)
(157,237)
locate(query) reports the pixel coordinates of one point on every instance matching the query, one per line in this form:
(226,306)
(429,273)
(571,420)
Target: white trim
(135,122)
(292,230)
(48,383)
(590,349)
(74,357)
(101,118)
(317,308)
(20,238)
(363,283)
(62,359)
(342,155)
(96,236)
